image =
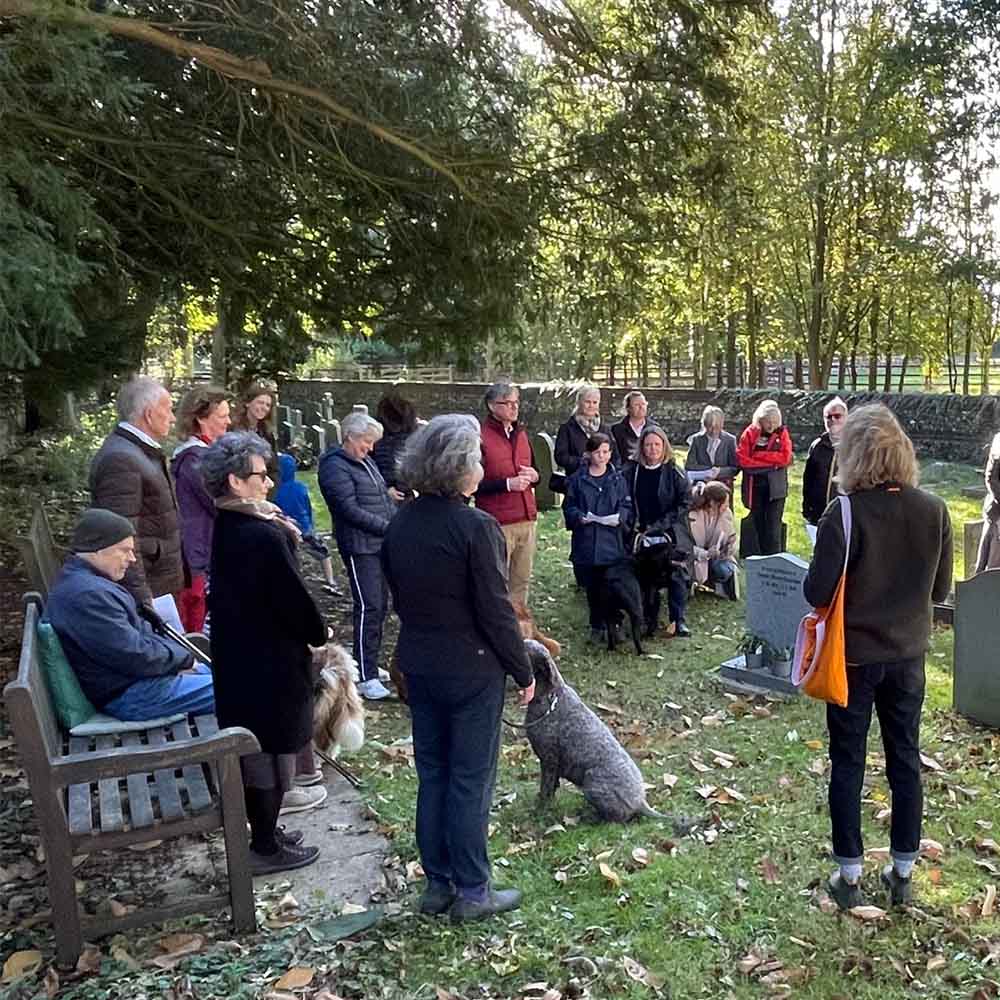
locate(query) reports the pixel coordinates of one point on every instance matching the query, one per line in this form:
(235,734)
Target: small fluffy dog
(338,712)
(529,630)
(573,743)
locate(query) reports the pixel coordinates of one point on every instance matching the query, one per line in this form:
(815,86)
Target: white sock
(903,868)
(851,873)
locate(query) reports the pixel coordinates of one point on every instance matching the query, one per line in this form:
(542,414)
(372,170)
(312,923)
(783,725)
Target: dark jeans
(456,739)
(371,601)
(897,691)
(591,578)
(766,515)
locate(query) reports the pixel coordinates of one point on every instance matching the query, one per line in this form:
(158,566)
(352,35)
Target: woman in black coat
(446,566)
(398,417)
(661,499)
(263,623)
(571,439)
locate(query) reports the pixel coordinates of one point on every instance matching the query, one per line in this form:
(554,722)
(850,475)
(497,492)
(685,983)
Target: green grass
(704,901)
(744,881)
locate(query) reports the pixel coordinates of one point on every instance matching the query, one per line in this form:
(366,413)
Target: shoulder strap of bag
(845,517)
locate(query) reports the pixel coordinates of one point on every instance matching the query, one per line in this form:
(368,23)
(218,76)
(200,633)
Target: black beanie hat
(98,529)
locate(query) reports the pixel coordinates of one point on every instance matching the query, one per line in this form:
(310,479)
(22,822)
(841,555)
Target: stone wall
(945,427)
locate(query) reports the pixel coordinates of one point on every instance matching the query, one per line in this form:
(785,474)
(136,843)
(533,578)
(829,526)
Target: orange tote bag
(819,666)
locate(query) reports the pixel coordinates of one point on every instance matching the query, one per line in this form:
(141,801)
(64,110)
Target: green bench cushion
(73,708)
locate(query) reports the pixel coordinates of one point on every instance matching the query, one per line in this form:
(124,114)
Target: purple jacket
(197,508)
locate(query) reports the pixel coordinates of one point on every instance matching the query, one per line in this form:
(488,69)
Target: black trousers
(591,578)
(766,514)
(371,602)
(456,740)
(896,690)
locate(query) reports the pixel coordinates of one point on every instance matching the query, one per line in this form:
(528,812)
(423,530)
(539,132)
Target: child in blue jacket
(293,498)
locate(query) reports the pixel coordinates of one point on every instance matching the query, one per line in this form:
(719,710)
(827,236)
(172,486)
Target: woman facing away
(899,562)
(458,642)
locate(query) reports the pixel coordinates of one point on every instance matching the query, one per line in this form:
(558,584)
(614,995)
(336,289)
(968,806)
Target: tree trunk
(731,350)
(669,359)
(967,360)
(902,373)
(842,370)
(753,329)
(799,382)
(873,322)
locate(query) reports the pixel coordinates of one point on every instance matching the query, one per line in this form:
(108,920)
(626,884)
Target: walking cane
(170,632)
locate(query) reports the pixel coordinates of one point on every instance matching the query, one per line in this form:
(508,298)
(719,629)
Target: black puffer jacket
(358,499)
(818,486)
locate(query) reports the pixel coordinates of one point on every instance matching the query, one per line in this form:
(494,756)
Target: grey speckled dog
(573,743)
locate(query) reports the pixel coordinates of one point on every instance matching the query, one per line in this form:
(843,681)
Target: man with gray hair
(819,484)
(508,487)
(129,476)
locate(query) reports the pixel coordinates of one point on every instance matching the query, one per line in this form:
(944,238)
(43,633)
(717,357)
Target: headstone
(545,462)
(326,406)
(332,428)
(310,414)
(775,606)
(972,531)
(316,436)
(976,691)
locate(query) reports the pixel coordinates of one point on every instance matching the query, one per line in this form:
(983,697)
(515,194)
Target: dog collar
(553,705)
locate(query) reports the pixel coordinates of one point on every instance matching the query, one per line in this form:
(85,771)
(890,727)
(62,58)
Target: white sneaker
(373,690)
(303,780)
(383,675)
(299,799)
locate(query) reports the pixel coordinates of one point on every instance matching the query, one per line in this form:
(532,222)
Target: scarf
(590,425)
(263,509)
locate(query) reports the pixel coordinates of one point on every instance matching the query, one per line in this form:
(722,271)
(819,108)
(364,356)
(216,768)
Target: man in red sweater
(507,490)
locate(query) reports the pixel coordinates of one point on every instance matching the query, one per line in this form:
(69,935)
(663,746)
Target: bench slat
(199,797)
(167,791)
(81,820)
(109,794)
(140,805)
(206,725)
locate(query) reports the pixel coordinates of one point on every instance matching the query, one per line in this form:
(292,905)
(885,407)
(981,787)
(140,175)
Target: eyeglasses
(263,475)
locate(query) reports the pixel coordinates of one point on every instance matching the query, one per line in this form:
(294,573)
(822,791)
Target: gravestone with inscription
(976,691)
(775,606)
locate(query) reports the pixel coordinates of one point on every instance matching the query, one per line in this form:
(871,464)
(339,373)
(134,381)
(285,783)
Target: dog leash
(553,704)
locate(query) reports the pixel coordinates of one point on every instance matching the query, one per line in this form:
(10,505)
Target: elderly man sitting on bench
(124,667)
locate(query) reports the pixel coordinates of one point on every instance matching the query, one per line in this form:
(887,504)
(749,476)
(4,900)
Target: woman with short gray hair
(361,507)
(711,453)
(572,437)
(458,641)
(263,623)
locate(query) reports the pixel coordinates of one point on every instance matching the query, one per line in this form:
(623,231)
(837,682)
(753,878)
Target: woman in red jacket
(764,454)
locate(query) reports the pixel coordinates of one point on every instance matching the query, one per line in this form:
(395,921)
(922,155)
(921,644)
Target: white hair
(360,425)
(138,395)
(835,404)
(586,390)
(767,408)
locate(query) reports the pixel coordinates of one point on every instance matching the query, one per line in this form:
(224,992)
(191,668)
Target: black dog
(620,592)
(654,566)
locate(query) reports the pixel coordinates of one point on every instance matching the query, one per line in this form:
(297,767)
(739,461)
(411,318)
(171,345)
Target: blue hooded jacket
(292,496)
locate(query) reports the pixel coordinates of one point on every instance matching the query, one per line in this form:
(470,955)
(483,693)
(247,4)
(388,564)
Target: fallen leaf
(934,875)
(668,780)
(21,963)
(296,978)
(119,954)
(931,849)
(641,974)
(89,960)
(930,763)
(814,744)
(176,948)
(414,871)
(936,962)
(749,962)
(640,856)
(868,912)
(706,791)
(990,902)
(610,874)
(769,870)
(51,982)
(348,908)
(988,846)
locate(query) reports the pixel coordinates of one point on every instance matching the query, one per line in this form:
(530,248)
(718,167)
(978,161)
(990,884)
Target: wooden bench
(108,792)
(42,557)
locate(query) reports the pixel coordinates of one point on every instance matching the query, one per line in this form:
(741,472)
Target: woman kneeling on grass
(446,566)
(899,561)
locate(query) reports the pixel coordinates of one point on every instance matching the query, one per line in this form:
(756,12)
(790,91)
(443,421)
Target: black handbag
(557,482)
